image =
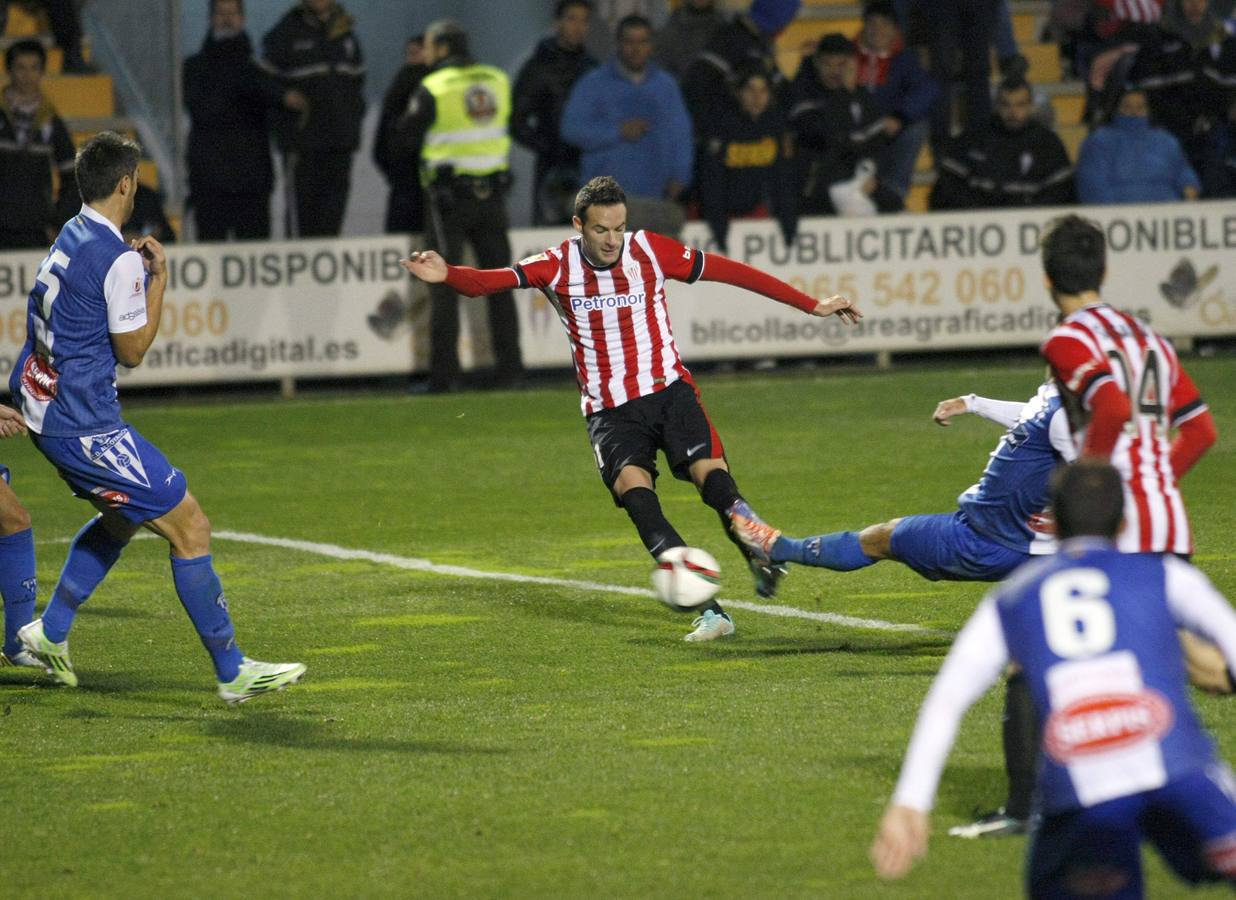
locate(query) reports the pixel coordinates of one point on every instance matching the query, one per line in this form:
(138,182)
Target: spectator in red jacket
(903,90)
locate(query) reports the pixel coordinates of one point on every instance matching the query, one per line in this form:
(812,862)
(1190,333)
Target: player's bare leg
(841,551)
(187,530)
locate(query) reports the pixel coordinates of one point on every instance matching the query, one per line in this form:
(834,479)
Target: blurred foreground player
(96,304)
(1124,755)
(608,286)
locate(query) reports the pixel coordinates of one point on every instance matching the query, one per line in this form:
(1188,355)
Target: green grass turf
(468,737)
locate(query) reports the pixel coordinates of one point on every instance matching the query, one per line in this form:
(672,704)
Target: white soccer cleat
(256,678)
(22,659)
(710,626)
(53,656)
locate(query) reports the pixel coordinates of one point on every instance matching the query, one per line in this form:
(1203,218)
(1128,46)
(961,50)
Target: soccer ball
(686,578)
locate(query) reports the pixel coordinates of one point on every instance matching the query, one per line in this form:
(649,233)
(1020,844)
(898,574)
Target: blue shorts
(943,547)
(1191,822)
(120,469)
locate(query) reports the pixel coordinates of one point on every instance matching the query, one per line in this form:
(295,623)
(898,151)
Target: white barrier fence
(314,308)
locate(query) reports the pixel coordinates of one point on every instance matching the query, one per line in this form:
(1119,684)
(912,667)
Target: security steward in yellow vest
(458,119)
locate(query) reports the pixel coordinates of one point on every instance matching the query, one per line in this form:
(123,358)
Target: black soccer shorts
(672,421)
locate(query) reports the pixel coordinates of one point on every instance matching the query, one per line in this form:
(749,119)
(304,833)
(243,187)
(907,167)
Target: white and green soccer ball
(686,578)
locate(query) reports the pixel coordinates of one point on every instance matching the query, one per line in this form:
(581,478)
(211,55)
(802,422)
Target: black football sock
(1021,745)
(654,529)
(719,491)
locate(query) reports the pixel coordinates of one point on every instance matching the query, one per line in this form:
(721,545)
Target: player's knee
(876,540)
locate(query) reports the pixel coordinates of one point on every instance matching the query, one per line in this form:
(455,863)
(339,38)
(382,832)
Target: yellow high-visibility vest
(469,132)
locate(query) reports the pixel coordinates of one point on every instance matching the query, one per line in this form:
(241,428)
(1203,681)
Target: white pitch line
(423,565)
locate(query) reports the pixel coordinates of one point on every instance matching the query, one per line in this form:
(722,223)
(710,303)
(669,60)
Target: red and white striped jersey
(1099,344)
(615,317)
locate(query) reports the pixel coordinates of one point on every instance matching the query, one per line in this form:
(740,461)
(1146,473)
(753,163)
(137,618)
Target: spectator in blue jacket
(1130,161)
(903,90)
(629,119)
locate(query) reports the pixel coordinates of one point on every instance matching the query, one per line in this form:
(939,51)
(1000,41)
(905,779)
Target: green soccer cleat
(710,626)
(256,678)
(55,657)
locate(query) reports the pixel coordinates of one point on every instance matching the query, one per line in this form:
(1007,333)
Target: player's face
(635,47)
(26,73)
(227,16)
(573,26)
(602,232)
(1015,108)
(754,96)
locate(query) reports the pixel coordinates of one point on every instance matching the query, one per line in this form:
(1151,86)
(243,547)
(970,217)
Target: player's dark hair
(834,44)
(1013,84)
(1087,499)
(102,162)
(25,48)
(634,20)
(240,6)
(600,191)
(562,6)
(448,34)
(1074,254)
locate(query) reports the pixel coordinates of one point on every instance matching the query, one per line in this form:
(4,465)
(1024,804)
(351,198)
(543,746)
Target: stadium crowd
(707,124)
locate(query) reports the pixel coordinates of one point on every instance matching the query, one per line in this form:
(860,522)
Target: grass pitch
(477,737)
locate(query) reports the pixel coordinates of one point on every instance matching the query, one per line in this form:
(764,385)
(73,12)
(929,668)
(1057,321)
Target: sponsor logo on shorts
(114,499)
(39,378)
(607,301)
(1106,722)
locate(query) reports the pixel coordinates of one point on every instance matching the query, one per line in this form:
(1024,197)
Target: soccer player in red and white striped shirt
(1124,389)
(608,287)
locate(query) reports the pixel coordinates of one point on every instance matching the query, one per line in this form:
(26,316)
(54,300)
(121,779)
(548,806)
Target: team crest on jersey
(1106,722)
(116,451)
(480,103)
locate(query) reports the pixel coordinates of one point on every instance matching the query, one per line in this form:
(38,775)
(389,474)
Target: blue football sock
(17,584)
(201,594)
(839,551)
(91,555)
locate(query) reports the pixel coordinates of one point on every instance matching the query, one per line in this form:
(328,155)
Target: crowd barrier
(345,307)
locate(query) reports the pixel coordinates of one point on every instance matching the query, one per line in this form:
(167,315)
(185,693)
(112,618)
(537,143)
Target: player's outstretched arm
(730,271)
(426,265)
(431,268)
(11,422)
(900,841)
